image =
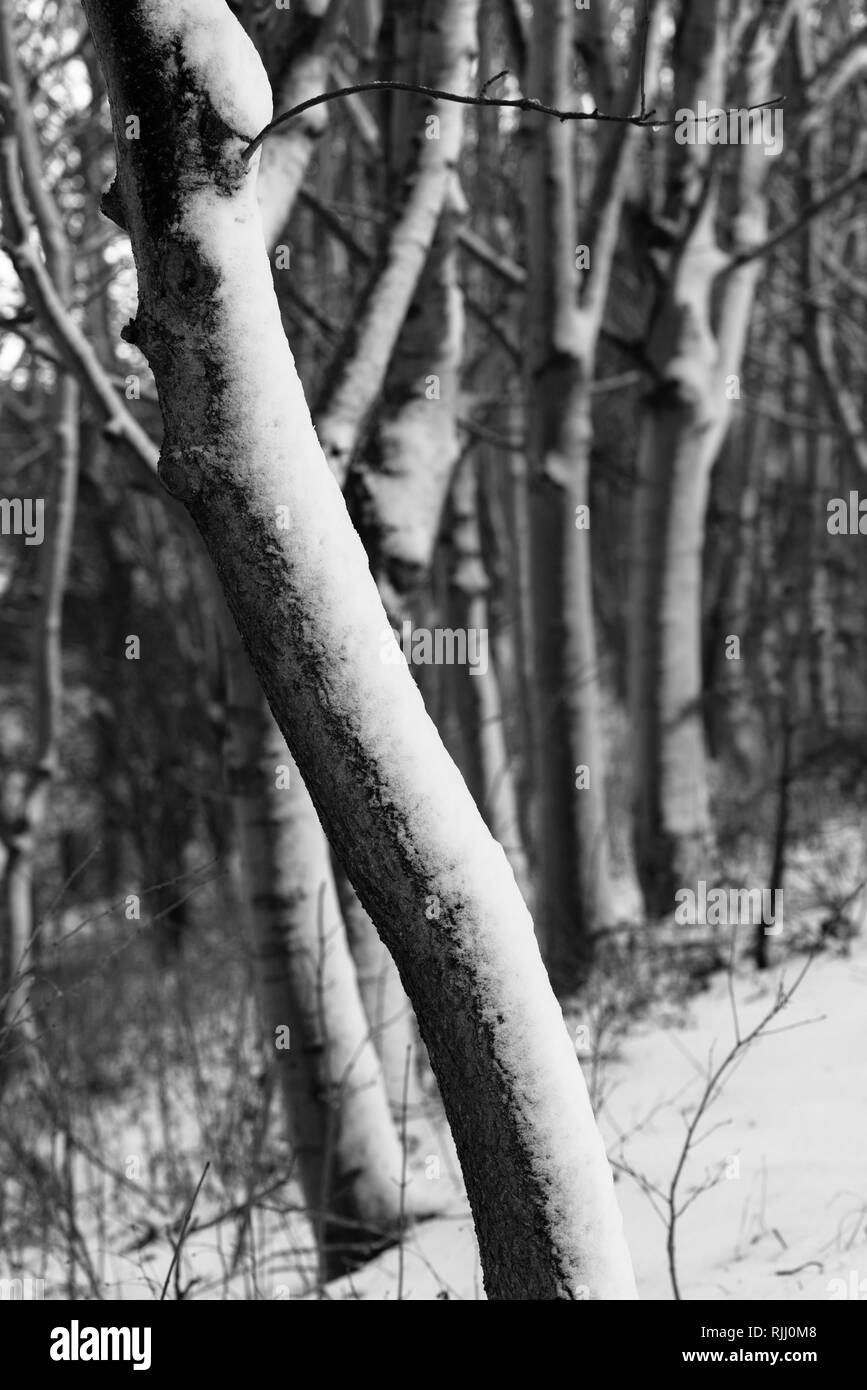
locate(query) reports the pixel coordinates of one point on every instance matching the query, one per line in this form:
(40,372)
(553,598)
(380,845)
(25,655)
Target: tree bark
(239,444)
(485,757)
(340,1126)
(286,157)
(20,179)
(685,420)
(358,373)
(574,878)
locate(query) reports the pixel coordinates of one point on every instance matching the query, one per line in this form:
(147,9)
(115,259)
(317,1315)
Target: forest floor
(783,1146)
(781,1150)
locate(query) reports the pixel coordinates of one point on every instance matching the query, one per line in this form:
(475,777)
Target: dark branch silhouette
(643,118)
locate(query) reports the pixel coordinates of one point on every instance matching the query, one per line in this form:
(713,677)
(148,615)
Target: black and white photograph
(433,664)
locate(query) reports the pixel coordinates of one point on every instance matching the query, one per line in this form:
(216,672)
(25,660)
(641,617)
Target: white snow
(793,1221)
(221,52)
(794,1114)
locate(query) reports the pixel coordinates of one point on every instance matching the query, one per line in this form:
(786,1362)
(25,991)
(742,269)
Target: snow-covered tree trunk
(187,91)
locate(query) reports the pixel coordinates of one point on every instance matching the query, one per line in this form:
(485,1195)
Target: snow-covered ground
(786,1140)
(787,1134)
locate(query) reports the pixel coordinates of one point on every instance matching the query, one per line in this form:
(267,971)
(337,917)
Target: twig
(715,1080)
(183,1230)
(643,119)
(491,80)
(402,1207)
(644,60)
(807,213)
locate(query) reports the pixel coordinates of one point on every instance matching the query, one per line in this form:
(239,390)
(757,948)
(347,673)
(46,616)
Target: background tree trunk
(344,1140)
(685,420)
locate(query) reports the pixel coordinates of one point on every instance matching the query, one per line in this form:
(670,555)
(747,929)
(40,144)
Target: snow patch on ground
(792,1220)
(794,1115)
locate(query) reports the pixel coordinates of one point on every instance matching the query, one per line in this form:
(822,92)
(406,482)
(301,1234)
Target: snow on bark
(240,449)
(220,57)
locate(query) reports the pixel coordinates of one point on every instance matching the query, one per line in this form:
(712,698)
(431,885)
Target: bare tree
(187,93)
(567,290)
(695,355)
(26,809)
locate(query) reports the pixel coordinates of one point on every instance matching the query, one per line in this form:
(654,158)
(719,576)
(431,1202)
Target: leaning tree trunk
(239,447)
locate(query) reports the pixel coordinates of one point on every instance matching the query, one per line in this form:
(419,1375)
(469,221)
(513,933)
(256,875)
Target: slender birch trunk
(359,371)
(685,421)
(565,316)
(239,446)
(344,1141)
(391,1020)
(20,185)
(286,158)
(485,759)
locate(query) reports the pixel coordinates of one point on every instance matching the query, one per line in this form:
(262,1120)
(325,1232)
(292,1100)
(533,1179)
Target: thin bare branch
(646,118)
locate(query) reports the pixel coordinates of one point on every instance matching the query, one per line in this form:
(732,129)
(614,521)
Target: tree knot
(181,472)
